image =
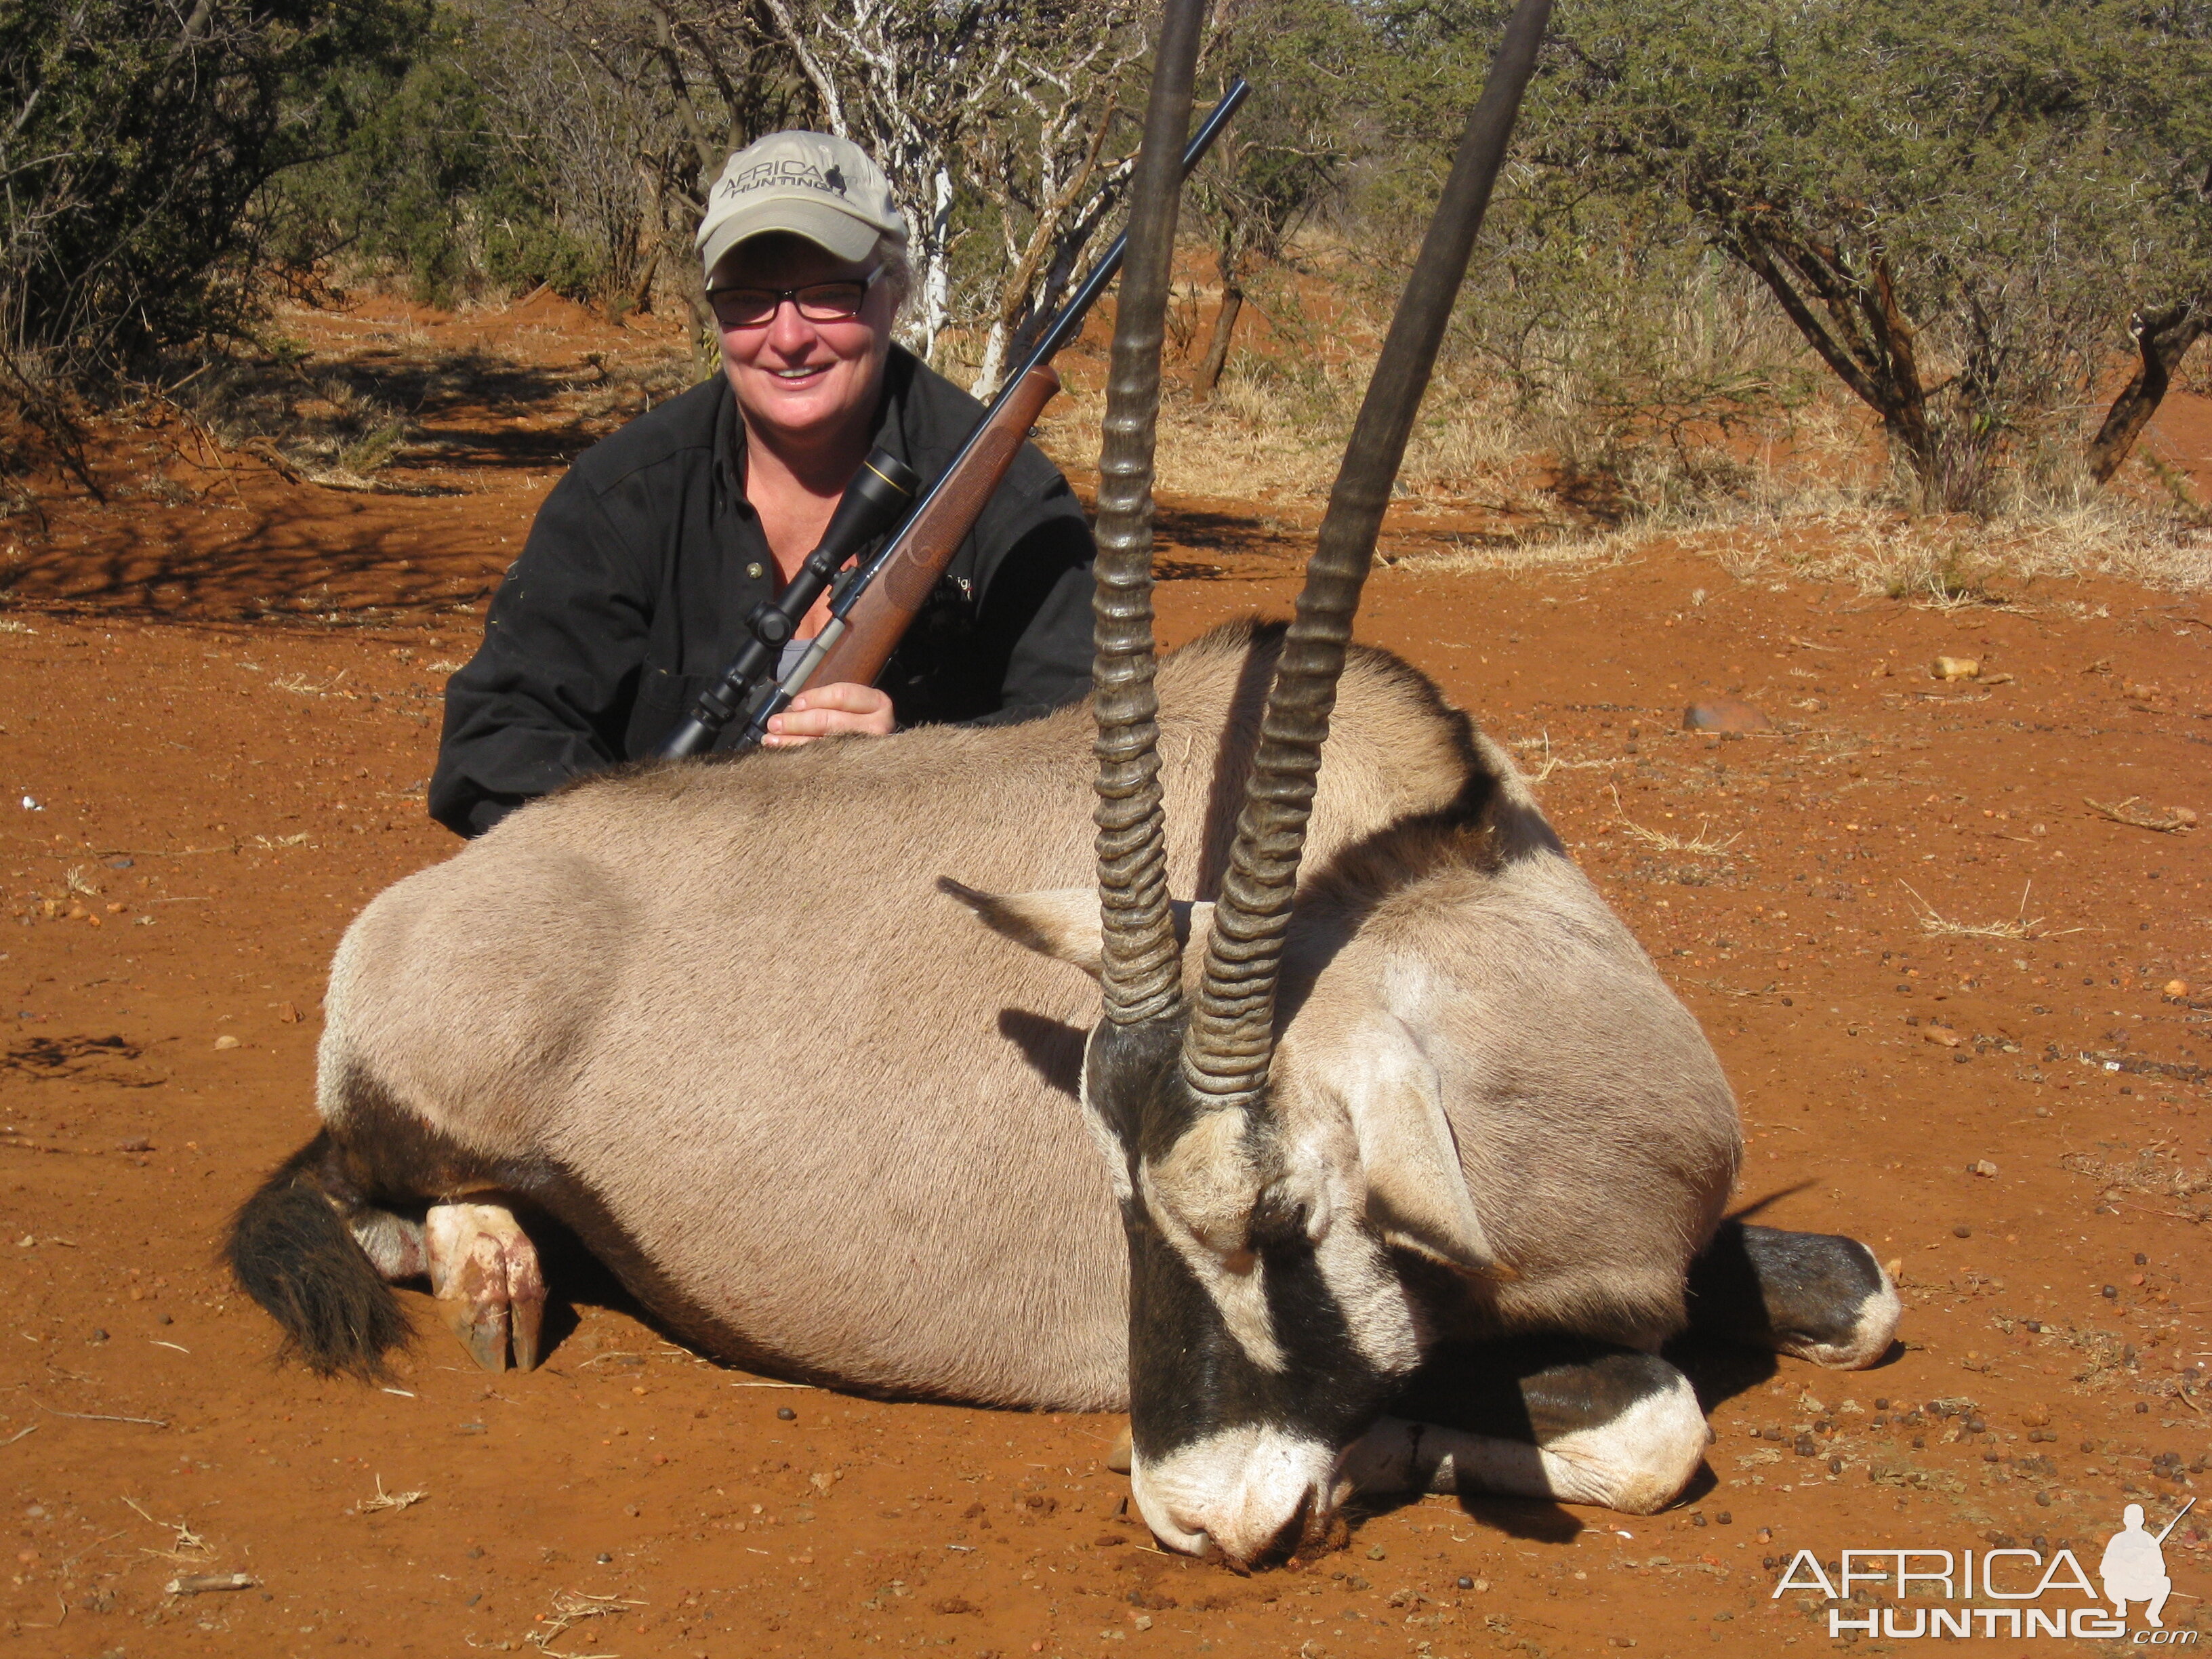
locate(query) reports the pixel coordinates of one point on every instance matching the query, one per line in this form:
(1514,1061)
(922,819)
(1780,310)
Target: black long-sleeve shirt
(632,592)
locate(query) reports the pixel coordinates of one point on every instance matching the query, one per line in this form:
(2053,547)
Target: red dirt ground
(224,708)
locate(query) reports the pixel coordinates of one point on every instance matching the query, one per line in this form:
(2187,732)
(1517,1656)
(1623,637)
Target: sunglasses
(817,302)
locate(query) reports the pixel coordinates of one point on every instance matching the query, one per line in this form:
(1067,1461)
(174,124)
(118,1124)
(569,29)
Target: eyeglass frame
(780,295)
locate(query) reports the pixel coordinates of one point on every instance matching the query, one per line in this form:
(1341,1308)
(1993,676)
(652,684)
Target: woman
(632,591)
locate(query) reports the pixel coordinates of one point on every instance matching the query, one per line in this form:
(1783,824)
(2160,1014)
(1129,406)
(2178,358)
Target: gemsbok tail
(292,1252)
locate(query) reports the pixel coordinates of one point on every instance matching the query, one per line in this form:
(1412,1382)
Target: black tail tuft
(290,1251)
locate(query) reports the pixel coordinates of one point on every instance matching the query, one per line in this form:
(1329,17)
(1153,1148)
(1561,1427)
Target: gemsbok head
(1268,1324)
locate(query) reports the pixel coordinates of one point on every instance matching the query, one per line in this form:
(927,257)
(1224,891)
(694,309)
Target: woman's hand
(828,711)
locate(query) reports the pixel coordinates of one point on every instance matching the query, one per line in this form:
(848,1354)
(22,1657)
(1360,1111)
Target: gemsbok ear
(1417,1195)
(1061,922)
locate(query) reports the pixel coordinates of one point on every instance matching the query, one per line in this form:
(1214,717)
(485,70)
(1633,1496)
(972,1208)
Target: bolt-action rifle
(872,604)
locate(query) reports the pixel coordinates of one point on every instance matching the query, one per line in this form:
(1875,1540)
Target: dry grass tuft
(187,1549)
(387,1500)
(2172,822)
(1552,549)
(1553,763)
(2021,926)
(573,1607)
(2158,1171)
(1699,846)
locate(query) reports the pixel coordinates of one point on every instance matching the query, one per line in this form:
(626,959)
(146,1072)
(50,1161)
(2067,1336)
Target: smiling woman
(805,337)
(645,561)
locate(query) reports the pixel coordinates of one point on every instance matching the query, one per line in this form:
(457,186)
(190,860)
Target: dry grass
(2158,1172)
(1271,433)
(387,1500)
(572,1608)
(1803,492)
(1552,762)
(187,1549)
(1700,845)
(1560,548)
(2172,822)
(1944,563)
(1251,444)
(2021,926)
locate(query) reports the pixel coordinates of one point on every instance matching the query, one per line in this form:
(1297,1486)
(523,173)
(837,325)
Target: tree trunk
(1859,330)
(641,298)
(691,283)
(2163,338)
(1217,348)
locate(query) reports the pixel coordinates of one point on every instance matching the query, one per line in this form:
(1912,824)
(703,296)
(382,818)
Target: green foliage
(1308,62)
(1957,210)
(437,185)
(1959,203)
(136,146)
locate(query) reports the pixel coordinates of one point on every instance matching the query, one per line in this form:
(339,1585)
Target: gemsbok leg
(1817,1297)
(485,1275)
(1566,1418)
(320,1243)
(1581,1423)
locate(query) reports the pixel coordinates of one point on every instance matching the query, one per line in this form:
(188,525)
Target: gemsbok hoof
(485,1276)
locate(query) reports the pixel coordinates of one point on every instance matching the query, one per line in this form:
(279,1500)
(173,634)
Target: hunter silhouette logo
(2134,1567)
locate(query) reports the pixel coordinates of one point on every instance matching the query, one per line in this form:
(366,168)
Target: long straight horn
(1231,1037)
(1142,972)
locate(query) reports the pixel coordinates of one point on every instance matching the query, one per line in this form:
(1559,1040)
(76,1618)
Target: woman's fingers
(824,711)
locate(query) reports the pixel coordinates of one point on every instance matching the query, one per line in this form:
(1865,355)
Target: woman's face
(799,380)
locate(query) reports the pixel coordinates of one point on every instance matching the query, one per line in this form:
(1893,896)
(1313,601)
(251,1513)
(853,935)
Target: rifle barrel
(2176,1522)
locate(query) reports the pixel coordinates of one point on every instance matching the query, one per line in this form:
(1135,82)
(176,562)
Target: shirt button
(753,571)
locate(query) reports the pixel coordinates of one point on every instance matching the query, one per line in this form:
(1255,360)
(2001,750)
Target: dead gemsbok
(1440,1115)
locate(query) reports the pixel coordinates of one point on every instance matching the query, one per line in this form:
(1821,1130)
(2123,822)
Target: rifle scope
(872,503)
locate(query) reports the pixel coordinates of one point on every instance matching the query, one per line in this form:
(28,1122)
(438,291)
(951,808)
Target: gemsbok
(1391,1108)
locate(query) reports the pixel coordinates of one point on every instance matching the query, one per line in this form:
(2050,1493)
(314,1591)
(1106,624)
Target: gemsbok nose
(1253,1495)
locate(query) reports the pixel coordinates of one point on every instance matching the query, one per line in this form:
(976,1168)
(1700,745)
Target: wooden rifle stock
(879,618)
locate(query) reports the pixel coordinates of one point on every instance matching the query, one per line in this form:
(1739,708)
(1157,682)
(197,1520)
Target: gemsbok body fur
(1385,1102)
(826,1126)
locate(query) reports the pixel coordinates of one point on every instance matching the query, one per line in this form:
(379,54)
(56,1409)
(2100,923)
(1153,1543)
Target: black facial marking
(1189,1377)
(1125,1071)
(1763,1286)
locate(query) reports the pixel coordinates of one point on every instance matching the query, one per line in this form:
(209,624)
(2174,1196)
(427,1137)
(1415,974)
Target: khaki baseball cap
(810,184)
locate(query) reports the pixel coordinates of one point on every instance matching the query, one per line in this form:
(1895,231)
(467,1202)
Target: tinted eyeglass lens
(820,302)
